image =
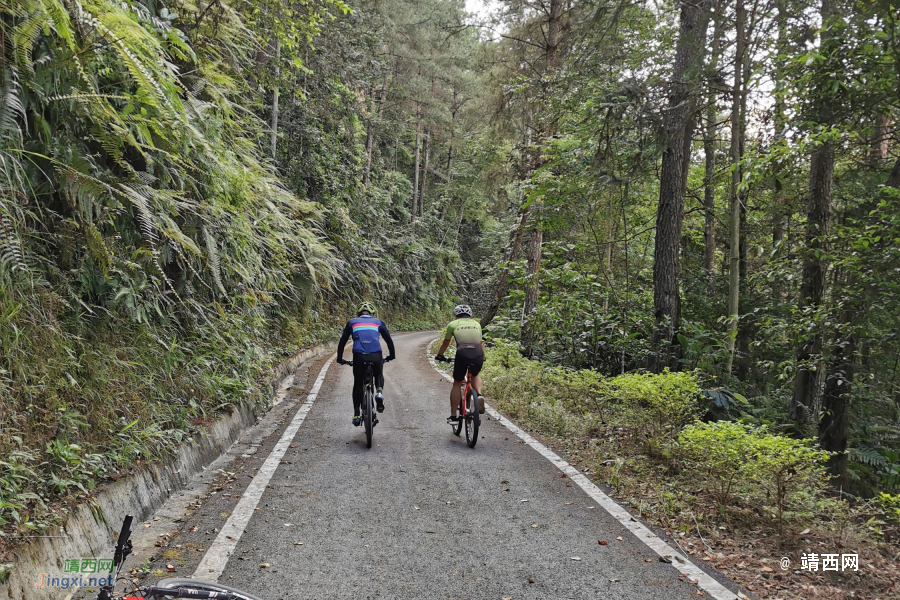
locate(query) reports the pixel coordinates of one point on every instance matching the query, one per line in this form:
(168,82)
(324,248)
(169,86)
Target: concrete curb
(93,526)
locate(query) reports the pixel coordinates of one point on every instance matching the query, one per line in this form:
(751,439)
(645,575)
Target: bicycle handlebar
(157,592)
(349,363)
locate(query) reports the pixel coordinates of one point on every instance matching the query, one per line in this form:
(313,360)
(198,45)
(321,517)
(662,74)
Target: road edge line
(650,539)
(212,565)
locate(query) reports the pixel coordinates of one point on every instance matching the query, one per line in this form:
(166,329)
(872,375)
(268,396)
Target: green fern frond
(868,456)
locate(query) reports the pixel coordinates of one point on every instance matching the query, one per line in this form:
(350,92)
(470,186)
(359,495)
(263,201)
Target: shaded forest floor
(744,544)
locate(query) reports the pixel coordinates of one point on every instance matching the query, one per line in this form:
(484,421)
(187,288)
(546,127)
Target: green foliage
(786,466)
(890,505)
(721,451)
(661,404)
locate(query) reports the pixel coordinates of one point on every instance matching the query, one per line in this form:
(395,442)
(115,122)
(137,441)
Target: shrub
(784,465)
(890,505)
(661,403)
(721,451)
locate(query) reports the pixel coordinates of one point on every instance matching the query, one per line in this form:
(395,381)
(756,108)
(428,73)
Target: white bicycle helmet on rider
(462,309)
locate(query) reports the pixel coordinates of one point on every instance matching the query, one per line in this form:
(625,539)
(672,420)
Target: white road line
(653,541)
(213,563)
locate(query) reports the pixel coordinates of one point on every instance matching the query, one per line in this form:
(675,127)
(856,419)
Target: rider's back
(366,334)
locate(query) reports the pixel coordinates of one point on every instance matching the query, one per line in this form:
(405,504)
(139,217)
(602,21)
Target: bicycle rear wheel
(456,426)
(473,420)
(205,586)
(368,409)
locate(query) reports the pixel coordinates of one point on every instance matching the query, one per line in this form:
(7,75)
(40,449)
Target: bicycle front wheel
(473,420)
(368,409)
(204,586)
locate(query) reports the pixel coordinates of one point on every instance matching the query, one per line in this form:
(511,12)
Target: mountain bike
(167,588)
(467,411)
(367,407)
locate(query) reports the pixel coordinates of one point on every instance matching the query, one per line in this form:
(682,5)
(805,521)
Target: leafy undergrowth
(713,489)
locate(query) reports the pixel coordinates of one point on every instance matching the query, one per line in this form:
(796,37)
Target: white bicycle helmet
(462,309)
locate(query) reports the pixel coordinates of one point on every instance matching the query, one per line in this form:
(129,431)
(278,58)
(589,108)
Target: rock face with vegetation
(680,210)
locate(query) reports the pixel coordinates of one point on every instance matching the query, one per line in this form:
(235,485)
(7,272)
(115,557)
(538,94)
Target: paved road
(419,515)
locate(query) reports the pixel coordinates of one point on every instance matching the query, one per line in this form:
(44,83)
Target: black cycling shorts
(469,359)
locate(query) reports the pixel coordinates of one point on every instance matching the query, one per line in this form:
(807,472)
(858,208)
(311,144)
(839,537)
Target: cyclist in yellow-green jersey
(469,354)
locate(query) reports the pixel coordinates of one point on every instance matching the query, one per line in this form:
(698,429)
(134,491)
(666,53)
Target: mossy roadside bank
(91,525)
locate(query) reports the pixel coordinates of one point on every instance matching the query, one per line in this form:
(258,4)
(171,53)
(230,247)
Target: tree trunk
(836,398)
(533,275)
(415,191)
(424,175)
(709,149)
(780,119)
(881,137)
(677,130)
(370,134)
(514,248)
(737,133)
(805,402)
(532,289)
(709,191)
(275,96)
(804,405)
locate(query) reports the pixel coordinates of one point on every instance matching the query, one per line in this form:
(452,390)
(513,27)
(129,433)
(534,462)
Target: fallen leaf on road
(569,503)
(264,565)
(613,580)
(416,507)
(170,568)
(531,581)
(683,575)
(534,525)
(804,532)
(298,543)
(619,538)
(525,500)
(267,519)
(576,558)
(767,569)
(648,560)
(664,559)
(602,543)
(192,529)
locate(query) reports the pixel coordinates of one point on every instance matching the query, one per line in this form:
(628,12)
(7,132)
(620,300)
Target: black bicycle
(367,408)
(167,588)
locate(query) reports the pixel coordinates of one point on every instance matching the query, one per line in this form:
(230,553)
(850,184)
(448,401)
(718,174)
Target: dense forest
(192,190)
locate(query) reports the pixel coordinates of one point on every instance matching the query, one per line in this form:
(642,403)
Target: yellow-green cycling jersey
(469,349)
(466,331)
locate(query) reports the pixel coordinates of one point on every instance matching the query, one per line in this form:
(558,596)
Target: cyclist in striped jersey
(365,331)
